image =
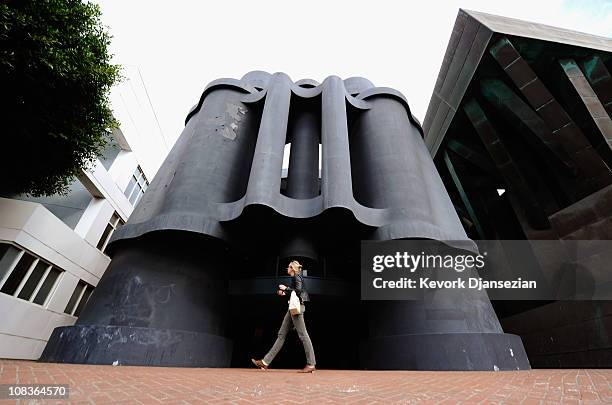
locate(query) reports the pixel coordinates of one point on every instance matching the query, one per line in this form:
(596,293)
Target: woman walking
(297,284)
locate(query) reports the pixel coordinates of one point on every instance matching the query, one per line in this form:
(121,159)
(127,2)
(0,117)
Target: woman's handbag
(294,304)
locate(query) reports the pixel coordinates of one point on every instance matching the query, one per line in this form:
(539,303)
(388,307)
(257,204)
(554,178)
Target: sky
(180,46)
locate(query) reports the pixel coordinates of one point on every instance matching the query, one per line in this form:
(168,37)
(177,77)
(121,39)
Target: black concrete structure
(520,128)
(195,269)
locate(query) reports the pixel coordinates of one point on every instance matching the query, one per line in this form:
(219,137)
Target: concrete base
(132,346)
(444,351)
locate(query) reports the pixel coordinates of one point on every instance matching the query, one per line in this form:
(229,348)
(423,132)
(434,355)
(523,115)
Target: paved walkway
(152,385)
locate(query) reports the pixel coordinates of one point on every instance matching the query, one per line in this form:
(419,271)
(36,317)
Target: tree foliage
(55,77)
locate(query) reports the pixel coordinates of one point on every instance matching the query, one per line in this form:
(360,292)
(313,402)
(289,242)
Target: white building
(52,249)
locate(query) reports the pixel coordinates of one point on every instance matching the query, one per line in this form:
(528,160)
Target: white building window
(79,298)
(112,225)
(26,276)
(137,186)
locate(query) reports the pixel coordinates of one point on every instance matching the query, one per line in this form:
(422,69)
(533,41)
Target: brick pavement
(152,385)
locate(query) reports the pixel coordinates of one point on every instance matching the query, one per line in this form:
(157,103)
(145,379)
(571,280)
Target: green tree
(55,77)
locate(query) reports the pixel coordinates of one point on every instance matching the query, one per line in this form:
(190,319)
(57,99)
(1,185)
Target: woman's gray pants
(300,327)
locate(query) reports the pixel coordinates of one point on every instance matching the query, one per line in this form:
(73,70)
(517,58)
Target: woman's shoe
(307,369)
(259,364)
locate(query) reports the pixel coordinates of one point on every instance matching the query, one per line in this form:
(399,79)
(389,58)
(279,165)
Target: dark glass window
(112,225)
(8,255)
(130,187)
(137,186)
(40,281)
(37,274)
(3,249)
(76,294)
(134,196)
(83,301)
(18,274)
(47,287)
(105,236)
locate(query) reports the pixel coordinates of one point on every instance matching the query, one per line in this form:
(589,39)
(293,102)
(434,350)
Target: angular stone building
(520,128)
(195,268)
